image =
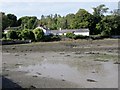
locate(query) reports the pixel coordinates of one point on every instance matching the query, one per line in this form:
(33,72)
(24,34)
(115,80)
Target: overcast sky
(36,8)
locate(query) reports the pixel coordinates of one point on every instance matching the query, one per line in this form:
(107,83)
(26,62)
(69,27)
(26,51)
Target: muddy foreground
(71,64)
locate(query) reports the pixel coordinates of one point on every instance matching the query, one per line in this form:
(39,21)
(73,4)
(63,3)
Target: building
(11,28)
(84,32)
(45,30)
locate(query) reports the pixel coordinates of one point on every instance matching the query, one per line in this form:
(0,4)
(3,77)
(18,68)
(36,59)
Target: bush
(27,35)
(80,37)
(19,34)
(39,34)
(55,38)
(11,34)
(105,33)
(51,38)
(70,35)
(94,37)
(46,38)
(3,35)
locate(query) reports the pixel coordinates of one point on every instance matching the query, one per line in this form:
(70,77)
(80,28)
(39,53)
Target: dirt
(64,64)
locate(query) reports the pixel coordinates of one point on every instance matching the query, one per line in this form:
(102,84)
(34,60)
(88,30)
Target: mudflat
(63,64)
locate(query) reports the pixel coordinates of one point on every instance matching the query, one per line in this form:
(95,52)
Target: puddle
(104,76)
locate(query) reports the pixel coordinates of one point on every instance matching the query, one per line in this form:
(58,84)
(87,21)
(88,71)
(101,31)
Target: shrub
(19,34)
(80,37)
(39,34)
(51,38)
(55,38)
(27,35)
(46,38)
(11,34)
(105,33)
(94,37)
(70,35)
(3,35)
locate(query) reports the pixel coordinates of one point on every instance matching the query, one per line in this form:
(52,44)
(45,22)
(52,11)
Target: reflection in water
(103,73)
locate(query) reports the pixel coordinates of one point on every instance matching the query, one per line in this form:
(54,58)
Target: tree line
(97,22)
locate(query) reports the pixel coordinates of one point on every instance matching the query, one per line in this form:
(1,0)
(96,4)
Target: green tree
(39,34)
(12,34)
(27,22)
(27,35)
(70,35)
(82,19)
(13,20)
(70,18)
(98,14)
(5,21)
(100,10)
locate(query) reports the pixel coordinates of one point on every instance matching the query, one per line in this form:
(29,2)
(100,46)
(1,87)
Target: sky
(37,8)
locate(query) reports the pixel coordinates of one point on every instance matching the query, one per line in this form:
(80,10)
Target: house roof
(70,30)
(13,28)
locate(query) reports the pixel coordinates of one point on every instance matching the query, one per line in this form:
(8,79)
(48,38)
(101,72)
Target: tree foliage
(97,22)
(39,34)
(27,34)
(12,34)
(27,22)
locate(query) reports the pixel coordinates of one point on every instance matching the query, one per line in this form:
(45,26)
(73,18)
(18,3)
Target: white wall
(5,31)
(82,33)
(78,33)
(46,32)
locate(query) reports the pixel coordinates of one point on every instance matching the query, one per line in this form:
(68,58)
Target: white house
(45,30)
(84,32)
(11,28)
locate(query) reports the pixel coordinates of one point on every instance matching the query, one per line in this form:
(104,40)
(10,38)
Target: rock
(117,63)
(32,86)
(35,76)
(16,55)
(63,79)
(67,56)
(77,52)
(62,53)
(109,50)
(39,73)
(18,64)
(13,47)
(91,80)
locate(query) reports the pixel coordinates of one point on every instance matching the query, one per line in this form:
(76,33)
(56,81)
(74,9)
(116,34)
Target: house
(45,30)
(11,28)
(84,32)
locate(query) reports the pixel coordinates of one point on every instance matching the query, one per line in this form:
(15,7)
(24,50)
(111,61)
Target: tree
(82,19)
(27,35)
(12,34)
(5,21)
(98,14)
(39,34)
(13,20)
(100,10)
(70,18)
(109,25)
(27,22)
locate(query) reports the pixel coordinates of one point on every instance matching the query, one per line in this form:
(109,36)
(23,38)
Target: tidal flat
(64,64)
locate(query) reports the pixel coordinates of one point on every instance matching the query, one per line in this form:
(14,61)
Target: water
(103,73)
